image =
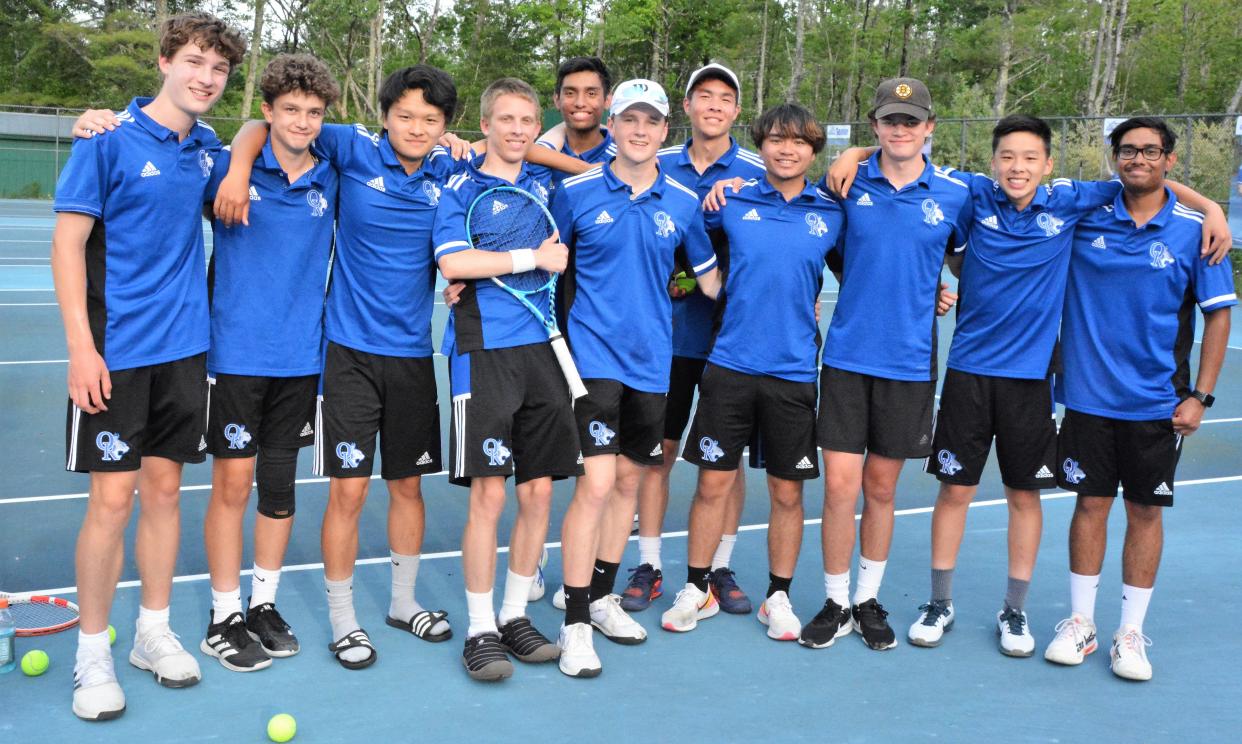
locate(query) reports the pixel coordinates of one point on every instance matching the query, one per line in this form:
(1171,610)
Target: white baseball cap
(633,92)
(715,71)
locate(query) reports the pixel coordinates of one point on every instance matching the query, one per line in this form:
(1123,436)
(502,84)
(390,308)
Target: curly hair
(298,72)
(205,30)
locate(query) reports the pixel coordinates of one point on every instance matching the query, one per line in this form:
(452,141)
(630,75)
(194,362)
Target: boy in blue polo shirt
(1126,338)
(623,222)
(128,264)
(772,240)
(267,282)
(583,88)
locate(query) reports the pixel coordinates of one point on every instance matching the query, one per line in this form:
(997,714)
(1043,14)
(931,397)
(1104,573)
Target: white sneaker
(1075,639)
(1129,654)
(1015,633)
(538,588)
(96,694)
(935,619)
(578,657)
(777,613)
(558,597)
(158,651)
(615,623)
(690,606)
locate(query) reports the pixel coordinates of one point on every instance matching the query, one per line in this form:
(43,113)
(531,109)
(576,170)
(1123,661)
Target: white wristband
(523,260)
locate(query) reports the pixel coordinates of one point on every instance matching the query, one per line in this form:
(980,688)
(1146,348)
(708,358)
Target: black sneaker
(526,643)
(266,626)
(871,620)
(832,622)
(485,659)
(229,642)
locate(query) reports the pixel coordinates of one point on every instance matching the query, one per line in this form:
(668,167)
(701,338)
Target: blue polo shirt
(773,257)
(146,279)
(487,316)
(603,152)
(893,248)
(693,314)
(1013,277)
(619,320)
(268,279)
(383,277)
(1129,321)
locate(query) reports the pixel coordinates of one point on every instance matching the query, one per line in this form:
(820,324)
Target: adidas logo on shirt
(377,183)
(1044,472)
(1099,243)
(603,218)
(751,216)
(498,206)
(1163,490)
(804,464)
(864,200)
(990,221)
(306,430)
(254,196)
(149,170)
(425,459)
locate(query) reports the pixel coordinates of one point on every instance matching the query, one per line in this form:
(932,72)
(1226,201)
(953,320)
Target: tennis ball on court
(282,727)
(34,663)
(111,636)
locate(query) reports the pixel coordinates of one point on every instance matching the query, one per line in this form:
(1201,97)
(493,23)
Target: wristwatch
(1207,399)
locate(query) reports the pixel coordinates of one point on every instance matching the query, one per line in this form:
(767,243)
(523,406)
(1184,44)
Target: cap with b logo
(904,95)
(639,91)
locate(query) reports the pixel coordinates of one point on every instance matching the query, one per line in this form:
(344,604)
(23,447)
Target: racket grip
(570,370)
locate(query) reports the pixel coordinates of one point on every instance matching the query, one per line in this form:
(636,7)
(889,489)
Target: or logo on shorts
(601,433)
(1050,224)
(664,224)
(931,212)
(350,455)
(948,462)
(205,163)
(432,191)
(110,444)
(1160,256)
(1073,473)
(318,203)
(237,435)
(710,449)
(817,224)
(496,451)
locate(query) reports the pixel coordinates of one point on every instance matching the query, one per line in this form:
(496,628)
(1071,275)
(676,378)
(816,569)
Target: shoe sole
(228,665)
(924,643)
(869,644)
(703,613)
(496,671)
(1072,661)
(104,715)
(584,673)
(539,657)
(1129,677)
(638,604)
(175,684)
(763,618)
(844,630)
(623,640)
(274,653)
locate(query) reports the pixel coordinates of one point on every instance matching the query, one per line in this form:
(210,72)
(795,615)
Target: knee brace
(275,470)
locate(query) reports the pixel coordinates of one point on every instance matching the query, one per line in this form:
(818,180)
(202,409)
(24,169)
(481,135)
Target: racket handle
(570,370)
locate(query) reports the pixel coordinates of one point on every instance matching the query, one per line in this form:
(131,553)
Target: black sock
(603,578)
(778,584)
(577,605)
(699,577)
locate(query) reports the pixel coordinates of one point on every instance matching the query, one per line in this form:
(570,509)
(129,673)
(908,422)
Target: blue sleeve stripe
(706,266)
(1231,298)
(451,247)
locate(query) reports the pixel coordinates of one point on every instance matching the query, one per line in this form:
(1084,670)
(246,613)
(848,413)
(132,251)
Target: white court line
(37,361)
(26,266)
(552,545)
(27,304)
(24,258)
(36,289)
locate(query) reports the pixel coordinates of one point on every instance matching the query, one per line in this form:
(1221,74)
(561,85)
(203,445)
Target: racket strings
(40,615)
(507,221)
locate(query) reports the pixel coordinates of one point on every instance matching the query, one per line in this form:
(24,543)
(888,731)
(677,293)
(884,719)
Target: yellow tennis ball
(111,636)
(282,727)
(34,663)
(687,284)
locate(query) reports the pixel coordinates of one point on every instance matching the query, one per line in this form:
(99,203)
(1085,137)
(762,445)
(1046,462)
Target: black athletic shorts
(861,413)
(512,415)
(365,395)
(614,419)
(976,408)
(245,412)
(1097,454)
(732,403)
(682,380)
(154,411)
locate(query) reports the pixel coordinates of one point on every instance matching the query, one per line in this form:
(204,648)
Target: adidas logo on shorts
(149,170)
(864,200)
(1044,472)
(751,216)
(425,459)
(306,430)
(1099,243)
(202,443)
(603,218)
(377,183)
(990,221)
(254,196)
(1163,490)
(656,452)
(804,464)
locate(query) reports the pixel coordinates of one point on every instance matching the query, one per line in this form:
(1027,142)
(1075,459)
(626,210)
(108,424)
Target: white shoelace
(778,603)
(577,636)
(1135,642)
(1070,627)
(162,640)
(94,670)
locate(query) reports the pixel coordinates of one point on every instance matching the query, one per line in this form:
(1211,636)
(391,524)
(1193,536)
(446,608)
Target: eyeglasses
(1151,152)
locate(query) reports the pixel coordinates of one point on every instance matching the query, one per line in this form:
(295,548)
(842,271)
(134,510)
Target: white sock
(341,615)
(837,588)
(93,645)
(1134,601)
(1082,594)
(263,585)
(149,620)
(224,604)
(649,551)
(404,576)
(482,616)
(517,593)
(724,551)
(870,575)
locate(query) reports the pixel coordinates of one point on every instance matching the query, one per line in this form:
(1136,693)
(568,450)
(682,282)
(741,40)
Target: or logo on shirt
(254,194)
(603,218)
(205,162)
(317,201)
(1073,473)
(601,433)
(1049,223)
(948,462)
(350,455)
(541,192)
(110,444)
(149,170)
(818,227)
(1160,256)
(751,216)
(377,183)
(990,221)
(237,435)
(864,200)
(496,451)
(664,224)
(710,449)
(931,212)
(432,191)
(1099,243)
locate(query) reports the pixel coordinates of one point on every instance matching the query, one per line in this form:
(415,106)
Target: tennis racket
(506,218)
(38,615)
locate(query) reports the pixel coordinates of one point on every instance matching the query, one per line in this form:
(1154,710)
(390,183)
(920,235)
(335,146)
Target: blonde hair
(506,86)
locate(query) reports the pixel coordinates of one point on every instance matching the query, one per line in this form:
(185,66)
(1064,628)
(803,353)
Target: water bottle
(8,651)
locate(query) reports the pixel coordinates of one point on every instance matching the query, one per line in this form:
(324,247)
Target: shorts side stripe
(317,463)
(211,382)
(459,433)
(72,462)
